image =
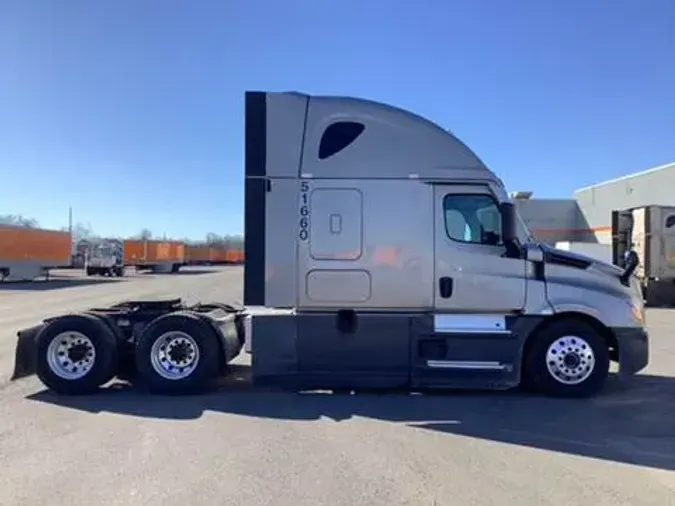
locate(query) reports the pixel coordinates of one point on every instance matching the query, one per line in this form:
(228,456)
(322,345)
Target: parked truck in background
(650,232)
(105,257)
(380,252)
(111,256)
(28,253)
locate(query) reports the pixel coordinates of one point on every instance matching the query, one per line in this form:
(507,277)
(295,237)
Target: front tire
(76,354)
(178,354)
(568,358)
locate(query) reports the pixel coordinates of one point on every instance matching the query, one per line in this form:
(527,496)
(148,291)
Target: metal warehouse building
(588,215)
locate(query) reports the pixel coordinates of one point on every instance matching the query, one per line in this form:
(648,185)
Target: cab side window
(472,219)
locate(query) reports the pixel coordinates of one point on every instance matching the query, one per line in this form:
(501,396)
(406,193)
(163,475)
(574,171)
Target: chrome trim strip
(455,330)
(466,364)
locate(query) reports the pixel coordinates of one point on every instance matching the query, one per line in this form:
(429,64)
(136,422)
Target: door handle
(445,287)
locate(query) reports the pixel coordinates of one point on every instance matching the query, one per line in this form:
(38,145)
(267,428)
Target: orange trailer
(153,254)
(220,256)
(26,253)
(213,255)
(201,254)
(228,256)
(234,256)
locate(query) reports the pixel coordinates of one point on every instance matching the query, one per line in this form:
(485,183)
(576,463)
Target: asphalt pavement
(254,447)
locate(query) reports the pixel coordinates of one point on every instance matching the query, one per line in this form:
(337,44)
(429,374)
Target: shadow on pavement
(183,272)
(629,423)
(194,272)
(53,283)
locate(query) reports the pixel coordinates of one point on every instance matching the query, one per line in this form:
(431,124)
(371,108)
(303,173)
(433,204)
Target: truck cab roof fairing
(285,133)
(393,142)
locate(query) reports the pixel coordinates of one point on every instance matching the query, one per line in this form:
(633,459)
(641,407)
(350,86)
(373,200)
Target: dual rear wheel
(178,353)
(76,354)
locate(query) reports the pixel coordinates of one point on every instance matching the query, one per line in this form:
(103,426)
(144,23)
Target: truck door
(469,341)
(472,273)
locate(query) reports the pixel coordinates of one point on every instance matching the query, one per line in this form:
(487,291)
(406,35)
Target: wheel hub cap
(71,355)
(570,360)
(174,355)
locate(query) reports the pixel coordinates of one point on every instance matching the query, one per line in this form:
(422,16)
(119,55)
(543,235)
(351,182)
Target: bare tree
(144,234)
(81,232)
(224,241)
(18,220)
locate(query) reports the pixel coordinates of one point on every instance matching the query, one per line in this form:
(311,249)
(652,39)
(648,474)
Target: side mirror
(509,231)
(508,216)
(631,263)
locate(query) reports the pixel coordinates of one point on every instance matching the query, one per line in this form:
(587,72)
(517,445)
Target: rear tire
(76,354)
(568,358)
(178,354)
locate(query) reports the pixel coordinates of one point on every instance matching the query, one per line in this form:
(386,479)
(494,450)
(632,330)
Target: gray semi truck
(379,252)
(105,258)
(650,232)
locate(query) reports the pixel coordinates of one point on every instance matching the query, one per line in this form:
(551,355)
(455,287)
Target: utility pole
(70,229)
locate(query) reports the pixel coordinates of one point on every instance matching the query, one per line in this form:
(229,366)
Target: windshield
(102,250)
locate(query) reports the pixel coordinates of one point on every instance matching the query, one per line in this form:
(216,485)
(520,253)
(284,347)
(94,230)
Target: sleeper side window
(472,219)
(338,136)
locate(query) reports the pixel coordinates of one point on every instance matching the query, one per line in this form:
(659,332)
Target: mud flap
(26,353)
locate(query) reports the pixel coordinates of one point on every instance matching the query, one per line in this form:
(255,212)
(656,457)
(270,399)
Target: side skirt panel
(332,350)
(386,350)
(469,351)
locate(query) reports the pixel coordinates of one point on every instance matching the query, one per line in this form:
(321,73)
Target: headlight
(638,311)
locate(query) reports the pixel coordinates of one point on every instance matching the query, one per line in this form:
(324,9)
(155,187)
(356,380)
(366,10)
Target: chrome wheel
(71,355)
(570,360)
(174,355)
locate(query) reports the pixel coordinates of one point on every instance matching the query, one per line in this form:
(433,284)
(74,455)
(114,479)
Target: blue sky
(131,111)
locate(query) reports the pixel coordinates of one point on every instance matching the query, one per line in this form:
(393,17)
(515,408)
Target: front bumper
(633,349)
